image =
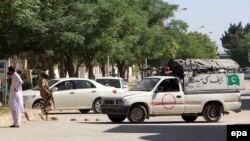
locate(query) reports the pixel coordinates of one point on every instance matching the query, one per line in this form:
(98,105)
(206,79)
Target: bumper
(115,109)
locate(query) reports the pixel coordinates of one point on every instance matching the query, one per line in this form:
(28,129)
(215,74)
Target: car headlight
(27,97)
(120,101)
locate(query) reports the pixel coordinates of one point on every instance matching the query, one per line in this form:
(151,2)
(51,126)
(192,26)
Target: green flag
(233,80)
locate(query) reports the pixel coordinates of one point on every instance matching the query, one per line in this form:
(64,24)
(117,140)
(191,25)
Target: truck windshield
(147,84)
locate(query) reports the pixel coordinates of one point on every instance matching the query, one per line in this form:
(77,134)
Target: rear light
(114,92)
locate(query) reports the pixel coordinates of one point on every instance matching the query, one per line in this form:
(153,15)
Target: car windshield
(50,83)
(147,84)
(109,82)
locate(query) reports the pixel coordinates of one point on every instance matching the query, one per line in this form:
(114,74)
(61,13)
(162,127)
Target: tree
(236,43)
(150,39)
(18,23)
(196,46)
(68,34)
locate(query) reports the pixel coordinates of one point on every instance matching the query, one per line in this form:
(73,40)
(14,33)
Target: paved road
(73,126)
(97,127)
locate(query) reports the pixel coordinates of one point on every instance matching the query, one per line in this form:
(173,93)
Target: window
(110,82)
(66,85)
(169,85)
(83,84)
(147,84)
(50,83)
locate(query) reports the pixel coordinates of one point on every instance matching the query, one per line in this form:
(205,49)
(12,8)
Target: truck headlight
(120,101)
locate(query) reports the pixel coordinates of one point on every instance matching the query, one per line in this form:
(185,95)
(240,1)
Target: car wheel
(84,111)
(212,112)
(116,119)
(189,118)
(97,106)
(137,114)
(39,104)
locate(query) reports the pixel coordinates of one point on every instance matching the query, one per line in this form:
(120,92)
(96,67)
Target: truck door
(168,99)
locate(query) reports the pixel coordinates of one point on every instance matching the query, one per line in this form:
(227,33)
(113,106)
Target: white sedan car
(70,93)
(116,82)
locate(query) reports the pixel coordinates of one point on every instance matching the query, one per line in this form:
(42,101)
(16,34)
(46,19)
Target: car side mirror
(54,89)
(125,86)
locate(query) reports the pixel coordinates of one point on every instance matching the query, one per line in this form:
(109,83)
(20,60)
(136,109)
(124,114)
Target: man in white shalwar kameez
(15,97)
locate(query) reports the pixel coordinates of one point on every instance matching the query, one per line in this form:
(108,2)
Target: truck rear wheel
(212,112)
(137,114)
(189,118)
(116,119)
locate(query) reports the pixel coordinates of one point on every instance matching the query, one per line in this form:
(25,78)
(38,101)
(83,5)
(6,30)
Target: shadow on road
(145,123)
(164,131)
(175,132)
(68,113)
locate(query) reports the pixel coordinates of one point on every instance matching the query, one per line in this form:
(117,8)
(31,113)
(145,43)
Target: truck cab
(207,94)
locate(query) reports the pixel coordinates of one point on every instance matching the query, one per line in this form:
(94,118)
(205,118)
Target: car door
(85,94)
(168,98)
(64,96)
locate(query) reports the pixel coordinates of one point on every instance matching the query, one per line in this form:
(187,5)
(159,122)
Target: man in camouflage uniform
(45,93)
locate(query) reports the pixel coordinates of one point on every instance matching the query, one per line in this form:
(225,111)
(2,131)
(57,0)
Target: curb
(27,115)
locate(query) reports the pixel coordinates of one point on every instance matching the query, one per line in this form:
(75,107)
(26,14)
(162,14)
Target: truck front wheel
(212,112)
(189,118)
(116,119)
(137,114)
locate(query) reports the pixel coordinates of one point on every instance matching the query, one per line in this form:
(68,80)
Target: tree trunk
(88,61)
(141,70)
(90,70)
(91,74)
(61,67)
(79,63)
(89,66)
(127,74)
(121,68)
(69,65)
(113,69)
(43,61)
(102,66)
(51,69)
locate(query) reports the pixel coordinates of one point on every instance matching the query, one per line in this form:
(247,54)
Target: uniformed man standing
(45,93)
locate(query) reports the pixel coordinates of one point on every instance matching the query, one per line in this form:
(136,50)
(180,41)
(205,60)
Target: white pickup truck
(207,95)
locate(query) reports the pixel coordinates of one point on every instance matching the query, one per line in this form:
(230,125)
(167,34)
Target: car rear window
(109,82)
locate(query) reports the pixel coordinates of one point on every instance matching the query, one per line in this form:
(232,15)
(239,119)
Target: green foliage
(69,33)
(196,46)
(236,43)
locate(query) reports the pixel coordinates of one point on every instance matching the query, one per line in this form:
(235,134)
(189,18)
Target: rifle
(52,98)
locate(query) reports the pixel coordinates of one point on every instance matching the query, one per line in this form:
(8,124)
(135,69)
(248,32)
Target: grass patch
(4,110)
